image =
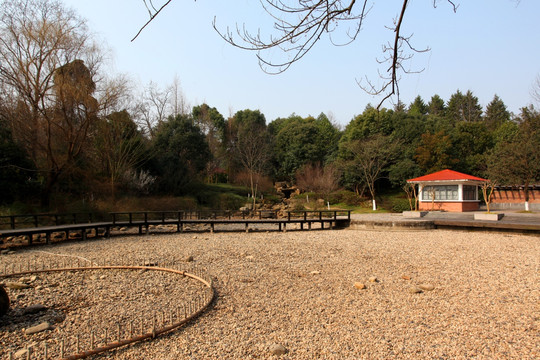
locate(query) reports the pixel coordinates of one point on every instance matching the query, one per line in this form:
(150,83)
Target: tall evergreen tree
(496,113)
(436,106)
(418,107)
(181,154)
(464,107)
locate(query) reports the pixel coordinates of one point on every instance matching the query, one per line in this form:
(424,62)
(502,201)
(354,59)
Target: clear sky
(489,47)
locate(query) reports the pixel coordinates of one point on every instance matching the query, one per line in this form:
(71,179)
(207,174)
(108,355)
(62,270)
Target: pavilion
(448,190)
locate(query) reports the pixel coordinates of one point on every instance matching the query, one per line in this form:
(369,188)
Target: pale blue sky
(488,46)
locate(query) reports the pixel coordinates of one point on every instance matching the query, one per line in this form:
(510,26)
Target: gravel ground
(297,289)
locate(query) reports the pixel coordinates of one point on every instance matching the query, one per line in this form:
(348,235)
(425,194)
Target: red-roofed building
(448,190)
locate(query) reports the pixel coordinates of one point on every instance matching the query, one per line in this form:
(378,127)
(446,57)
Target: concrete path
(512,221)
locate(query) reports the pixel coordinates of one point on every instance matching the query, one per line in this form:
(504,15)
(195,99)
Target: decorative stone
(415,290)
(488,216)
(4,301)
(373,279)
(359,285)
(38,328)
(426,287)
(414,214)
(277,349)
(32,309)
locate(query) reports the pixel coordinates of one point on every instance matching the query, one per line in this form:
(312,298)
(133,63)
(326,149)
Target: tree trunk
(113,193)
(52,179)
(526,194)
(372,191)
(252,189)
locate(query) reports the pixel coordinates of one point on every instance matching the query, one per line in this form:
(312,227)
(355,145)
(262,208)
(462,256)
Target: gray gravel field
(332,294)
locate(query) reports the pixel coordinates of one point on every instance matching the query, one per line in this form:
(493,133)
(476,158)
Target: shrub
(347,197)
(228,202)
(400,205)
(297,204)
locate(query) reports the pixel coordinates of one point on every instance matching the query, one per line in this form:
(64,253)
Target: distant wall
(511,206)
(514,195)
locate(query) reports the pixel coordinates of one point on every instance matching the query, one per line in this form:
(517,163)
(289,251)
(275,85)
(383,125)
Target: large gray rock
(4,301)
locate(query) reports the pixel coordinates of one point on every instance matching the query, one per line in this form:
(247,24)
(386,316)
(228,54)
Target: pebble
(44,326)
(426,287)
(277,349)
(415,290)
(16,285)
(21,353)
(189,259)
(315,272)
(359,285)
(33,309)
(405,277)
(373,279)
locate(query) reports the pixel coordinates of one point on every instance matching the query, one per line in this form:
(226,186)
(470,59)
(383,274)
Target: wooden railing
(23,220)
(144,220)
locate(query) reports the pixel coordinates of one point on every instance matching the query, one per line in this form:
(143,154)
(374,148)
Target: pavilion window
(469,192)
(441,192)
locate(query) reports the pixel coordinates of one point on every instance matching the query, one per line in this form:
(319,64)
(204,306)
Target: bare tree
(114,95)
(48,64)
(319,179)
(412,195)
(120,147)
(370,157)
(535,91)
(487,190)
(300,25)
(249,145)
(178,100)
(159,103)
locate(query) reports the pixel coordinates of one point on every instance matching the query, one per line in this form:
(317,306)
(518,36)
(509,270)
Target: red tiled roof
(446,175)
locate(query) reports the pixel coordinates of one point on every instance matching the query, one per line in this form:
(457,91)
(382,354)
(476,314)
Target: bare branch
(300,28)
(152,15)
(300,25)
(454,6)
